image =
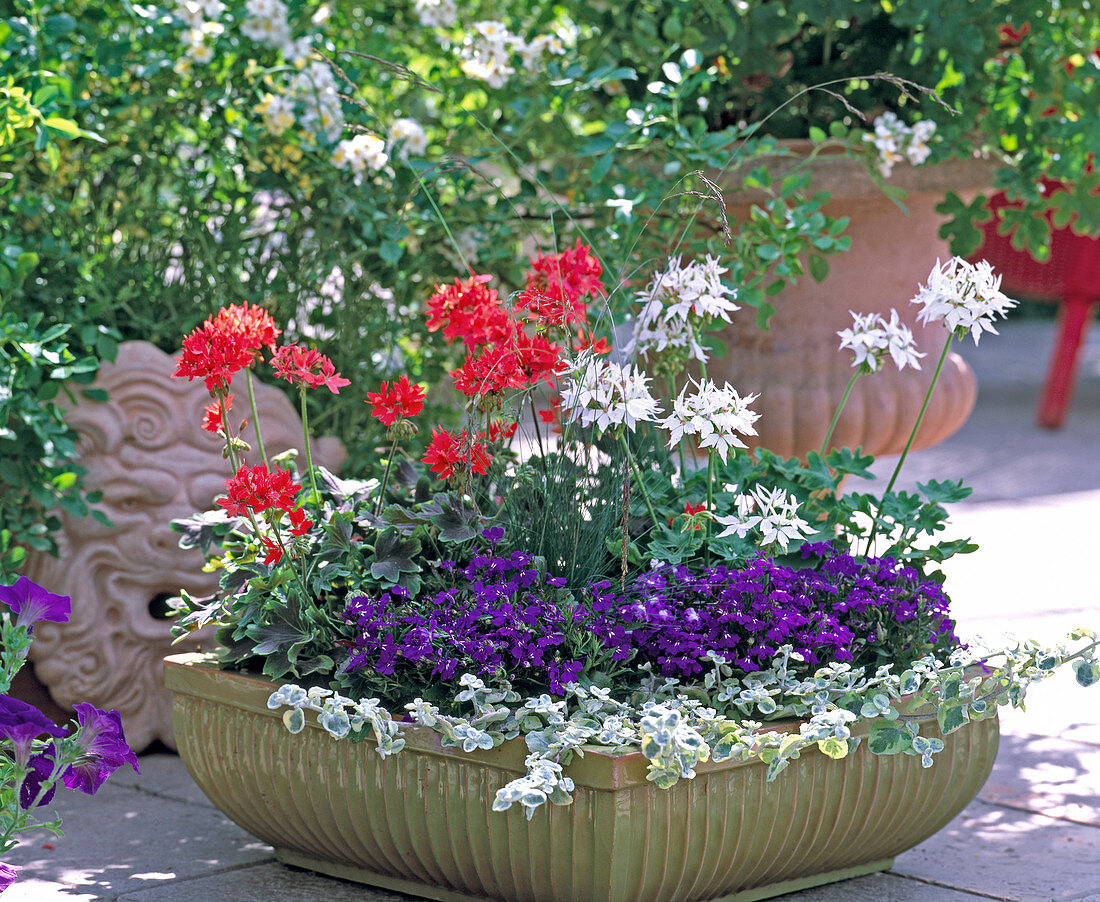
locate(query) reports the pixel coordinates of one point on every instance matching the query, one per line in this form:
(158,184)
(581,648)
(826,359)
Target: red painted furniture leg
(1073,319)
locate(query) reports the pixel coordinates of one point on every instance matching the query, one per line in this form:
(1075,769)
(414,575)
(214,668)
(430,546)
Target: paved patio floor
(1032,835)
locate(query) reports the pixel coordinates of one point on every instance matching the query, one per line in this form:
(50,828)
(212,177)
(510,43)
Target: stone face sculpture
(144,450)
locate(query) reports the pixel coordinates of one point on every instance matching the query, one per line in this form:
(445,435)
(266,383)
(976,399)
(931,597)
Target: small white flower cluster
(607,395)
(718,416)
(964,296)
(872,337)
(314,91)
(771,512)
(359,154)
(200,21)
(409,137)
(489,49)
(267,22)
(436,13)
(677,303)
(895,141)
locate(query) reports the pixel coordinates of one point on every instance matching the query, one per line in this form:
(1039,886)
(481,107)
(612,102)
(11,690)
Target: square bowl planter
(421,821)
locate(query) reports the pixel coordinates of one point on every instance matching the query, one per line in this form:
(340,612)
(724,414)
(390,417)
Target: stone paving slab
(265,883)
(1005,854)
(886,887)
(122,840)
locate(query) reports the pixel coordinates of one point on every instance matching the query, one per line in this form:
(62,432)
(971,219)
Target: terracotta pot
(421,822)
(796,367)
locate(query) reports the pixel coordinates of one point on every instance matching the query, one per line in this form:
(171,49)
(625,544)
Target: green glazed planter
(421,821)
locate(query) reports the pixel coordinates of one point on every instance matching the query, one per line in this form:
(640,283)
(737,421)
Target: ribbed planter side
(422,821)
(795,365)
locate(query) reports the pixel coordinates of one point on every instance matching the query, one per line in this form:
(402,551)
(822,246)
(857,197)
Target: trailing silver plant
(677,727)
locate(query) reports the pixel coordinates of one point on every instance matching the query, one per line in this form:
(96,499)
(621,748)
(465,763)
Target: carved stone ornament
(144,450)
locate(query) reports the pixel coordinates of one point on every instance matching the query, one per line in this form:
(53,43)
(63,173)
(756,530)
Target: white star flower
(965,296)
(718,416)
(771,512)
(872,337)
(607,395)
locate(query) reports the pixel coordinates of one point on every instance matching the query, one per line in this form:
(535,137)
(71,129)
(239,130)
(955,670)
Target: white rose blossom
(608,395)
(771,512)
(872,337)
(410,135)
(278,113)
(267,23)
(360,153)
(436,13)
(964,296)
(718,416)
(314,88)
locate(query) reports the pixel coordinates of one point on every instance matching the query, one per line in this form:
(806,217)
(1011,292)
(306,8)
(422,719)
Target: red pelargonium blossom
(299,523)
(274,551)
(522,362)
(307,367)
(215,354)
(448,454)
(468,310)
(212,414)
(396,400)
(552,414)
(690,510)
(498,431)
(256,489)
(254,324)
(589,342)
(556,283)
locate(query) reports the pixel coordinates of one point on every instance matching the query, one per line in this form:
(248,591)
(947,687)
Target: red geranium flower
(552,414)
(212,414)
(690,510)
(274,551)
(254,324)
(588,342)
(396,400)
(308,367)
(492,370)
(556,283)
(299,522)
(468,310)
(447,454)
(499,430)
(257,490)
(214,354)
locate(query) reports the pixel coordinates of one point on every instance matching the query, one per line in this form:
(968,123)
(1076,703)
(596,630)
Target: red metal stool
(1070,277)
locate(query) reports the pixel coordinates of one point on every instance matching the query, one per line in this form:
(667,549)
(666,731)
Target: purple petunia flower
(41,768)
(33,604)
(105,749)
(8,873)
(21,724)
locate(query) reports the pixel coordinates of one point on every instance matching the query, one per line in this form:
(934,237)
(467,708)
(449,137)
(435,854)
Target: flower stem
(839,409)
(710,504)
(305,435)
(538,434)
(385,479)
(909,443)
(255,416)
(638,475)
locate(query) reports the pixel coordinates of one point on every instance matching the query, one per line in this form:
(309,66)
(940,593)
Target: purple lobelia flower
(8,873)
(41,768)
(104,745)
(21,724)
(33,604)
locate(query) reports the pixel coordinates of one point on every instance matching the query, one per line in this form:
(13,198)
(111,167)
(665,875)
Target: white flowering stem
(255,416)
(305,435)
(385,479)
(710,499)
(839,409)
(912,436)
(638,475)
